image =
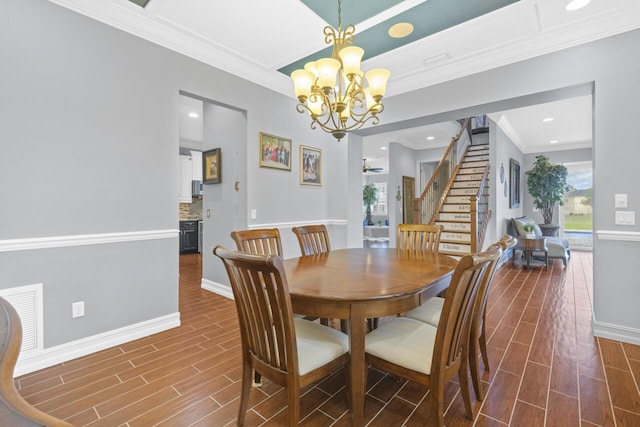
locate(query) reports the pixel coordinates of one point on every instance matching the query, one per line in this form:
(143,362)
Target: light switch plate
(254,214)
(621,200)
(625,218)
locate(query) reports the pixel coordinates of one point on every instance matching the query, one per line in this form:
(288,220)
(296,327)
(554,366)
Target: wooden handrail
(478,230)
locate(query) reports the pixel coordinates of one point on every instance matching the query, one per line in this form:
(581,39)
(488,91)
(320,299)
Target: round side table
(528,247)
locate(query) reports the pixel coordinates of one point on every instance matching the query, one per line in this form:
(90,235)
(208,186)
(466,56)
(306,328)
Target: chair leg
(294,405)
(463,376)
(372,323)
(324,321)
(475,369)
(483,348)
(478,342)
(257,379)
(436,397)
(245,390)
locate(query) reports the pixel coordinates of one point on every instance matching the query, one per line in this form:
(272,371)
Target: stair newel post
(473,211)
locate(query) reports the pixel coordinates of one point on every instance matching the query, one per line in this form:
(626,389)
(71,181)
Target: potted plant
(547,184)
(369,197)
(529,229)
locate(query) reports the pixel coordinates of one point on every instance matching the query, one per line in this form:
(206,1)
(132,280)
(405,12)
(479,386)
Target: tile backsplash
(191,210)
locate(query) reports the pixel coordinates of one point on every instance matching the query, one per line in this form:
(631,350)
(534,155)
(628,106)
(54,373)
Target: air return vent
(27,301)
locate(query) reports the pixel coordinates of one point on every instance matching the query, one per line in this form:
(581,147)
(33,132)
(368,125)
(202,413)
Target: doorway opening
(577,211)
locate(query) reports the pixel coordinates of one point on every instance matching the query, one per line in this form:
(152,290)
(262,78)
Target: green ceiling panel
(141,3)
(428,18)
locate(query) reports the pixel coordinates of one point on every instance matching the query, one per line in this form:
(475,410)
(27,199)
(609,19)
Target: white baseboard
(217,288)
(616,332)
(72,350)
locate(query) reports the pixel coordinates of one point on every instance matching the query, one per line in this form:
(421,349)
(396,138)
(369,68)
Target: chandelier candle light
(332,89)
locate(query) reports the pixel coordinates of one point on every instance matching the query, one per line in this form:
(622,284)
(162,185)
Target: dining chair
(433,355)
(262,241)
(313,239)
(14,410)
(419,237)
(291,352)
(430,312)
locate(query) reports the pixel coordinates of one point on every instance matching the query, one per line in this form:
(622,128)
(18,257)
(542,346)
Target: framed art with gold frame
(275,152)
(310,166)
(211,166)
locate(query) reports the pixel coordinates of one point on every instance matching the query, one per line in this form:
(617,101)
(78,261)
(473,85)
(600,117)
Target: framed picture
(514,183)
(310,166)
(275,152)
(211,166)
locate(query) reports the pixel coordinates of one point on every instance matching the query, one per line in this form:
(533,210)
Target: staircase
(455,212)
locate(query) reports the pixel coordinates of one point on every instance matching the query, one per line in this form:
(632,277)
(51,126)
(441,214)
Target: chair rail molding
(299,223)
(12,245)
(627,236)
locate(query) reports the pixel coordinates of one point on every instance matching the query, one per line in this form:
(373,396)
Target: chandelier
(332,90)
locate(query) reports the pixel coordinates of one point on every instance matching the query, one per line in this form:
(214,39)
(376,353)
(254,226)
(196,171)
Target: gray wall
(502,151)
(89,143)
(608,68)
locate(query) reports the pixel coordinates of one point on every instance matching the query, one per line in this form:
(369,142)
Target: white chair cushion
(405,342)
(318,344)
(429,312)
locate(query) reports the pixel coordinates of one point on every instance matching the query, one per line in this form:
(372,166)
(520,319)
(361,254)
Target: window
(380,207)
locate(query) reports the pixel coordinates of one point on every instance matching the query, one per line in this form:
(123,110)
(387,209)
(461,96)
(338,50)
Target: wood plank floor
(547,369)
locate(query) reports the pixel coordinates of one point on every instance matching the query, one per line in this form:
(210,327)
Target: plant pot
(549,229)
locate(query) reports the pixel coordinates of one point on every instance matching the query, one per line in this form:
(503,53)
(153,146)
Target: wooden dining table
(360,283)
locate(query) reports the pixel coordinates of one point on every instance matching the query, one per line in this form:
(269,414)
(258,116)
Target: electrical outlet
(77,309)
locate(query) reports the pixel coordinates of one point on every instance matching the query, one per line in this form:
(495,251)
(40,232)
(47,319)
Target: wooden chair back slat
(264,241)
(313,239)
(455,321)
(419,237)
(262,299)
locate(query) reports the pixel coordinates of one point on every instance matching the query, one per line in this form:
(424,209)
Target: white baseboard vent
(27,301)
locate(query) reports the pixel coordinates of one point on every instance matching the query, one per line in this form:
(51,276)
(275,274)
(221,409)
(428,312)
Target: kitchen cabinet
(185,179)
(196,165)
(188,237)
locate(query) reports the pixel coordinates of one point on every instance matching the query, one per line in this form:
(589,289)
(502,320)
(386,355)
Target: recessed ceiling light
(553,141)
(431,138)
(577,4)
(383,148)
(194,115)
(547,119)
(400,30)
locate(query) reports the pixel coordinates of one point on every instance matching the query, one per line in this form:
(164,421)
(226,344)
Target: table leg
(358,366)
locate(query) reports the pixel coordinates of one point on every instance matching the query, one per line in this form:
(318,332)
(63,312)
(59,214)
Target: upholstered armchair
(557,247)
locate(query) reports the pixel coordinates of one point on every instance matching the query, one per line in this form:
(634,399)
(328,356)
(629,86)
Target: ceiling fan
(367,168)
